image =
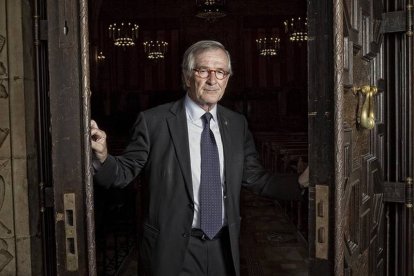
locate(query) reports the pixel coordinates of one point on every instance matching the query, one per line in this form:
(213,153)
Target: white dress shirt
(195,128)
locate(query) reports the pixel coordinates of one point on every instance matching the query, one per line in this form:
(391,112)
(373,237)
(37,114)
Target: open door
(361,137)
(61,40)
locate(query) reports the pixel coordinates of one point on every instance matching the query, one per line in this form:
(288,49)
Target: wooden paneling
(354,178)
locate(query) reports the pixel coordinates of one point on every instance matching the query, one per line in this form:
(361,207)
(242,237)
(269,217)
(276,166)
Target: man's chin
(211,98)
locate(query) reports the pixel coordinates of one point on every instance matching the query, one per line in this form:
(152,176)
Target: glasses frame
(197,73)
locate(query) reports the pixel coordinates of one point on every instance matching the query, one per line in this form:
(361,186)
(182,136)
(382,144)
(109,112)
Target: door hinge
(409,193)
(410,15)
(399,192)
(394,22)
(398,21)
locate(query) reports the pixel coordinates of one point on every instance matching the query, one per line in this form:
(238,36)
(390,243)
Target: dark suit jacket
(159,147)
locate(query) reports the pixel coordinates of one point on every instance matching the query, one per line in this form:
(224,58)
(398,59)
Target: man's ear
(187,82)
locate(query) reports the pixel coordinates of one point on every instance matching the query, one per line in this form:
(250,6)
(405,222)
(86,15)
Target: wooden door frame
(71,57)
(321,112)
(69,94)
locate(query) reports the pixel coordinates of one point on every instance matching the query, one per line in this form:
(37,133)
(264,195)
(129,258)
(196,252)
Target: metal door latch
(70,232)
(322,221)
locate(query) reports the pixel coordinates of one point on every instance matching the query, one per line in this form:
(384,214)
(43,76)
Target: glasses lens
(204,73)
(219,75)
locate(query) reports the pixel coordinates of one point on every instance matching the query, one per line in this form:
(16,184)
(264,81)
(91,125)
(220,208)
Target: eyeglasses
(205,73)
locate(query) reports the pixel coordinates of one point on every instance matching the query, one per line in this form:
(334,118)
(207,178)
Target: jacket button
(191,206)
(186,235)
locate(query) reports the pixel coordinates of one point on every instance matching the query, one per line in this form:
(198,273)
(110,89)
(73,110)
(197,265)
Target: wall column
(20,244)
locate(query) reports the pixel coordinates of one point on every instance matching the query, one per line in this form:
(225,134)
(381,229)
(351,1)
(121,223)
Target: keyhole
(65,28)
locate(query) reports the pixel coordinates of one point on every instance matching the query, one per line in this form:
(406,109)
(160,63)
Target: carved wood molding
(338,36)
(86,94)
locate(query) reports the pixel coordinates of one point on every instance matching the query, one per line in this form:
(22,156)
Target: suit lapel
(177,125)
(224,125)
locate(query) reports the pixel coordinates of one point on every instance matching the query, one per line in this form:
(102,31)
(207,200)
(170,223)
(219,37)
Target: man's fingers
(94,131)
(97,146)
(94,124)
(98,142)
(100,150)
(97,135)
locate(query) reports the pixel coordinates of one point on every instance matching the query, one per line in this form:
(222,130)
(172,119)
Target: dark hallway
(269,88)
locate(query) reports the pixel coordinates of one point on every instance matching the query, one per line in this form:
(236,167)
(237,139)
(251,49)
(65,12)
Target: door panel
(68,103)
(363,208)
(349,150)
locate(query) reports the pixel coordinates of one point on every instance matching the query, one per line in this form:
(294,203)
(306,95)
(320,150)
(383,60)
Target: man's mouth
(211,89)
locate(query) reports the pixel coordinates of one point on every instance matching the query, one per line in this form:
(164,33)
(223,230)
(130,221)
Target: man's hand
(98,139)
(304,178)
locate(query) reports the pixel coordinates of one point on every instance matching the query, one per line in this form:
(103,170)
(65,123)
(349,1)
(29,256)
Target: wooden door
(61,40)
(352,208)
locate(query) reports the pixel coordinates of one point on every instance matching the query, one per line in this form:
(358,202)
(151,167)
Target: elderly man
(196,156)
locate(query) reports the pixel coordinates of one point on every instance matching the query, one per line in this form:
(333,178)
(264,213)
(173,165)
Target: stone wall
(20,246)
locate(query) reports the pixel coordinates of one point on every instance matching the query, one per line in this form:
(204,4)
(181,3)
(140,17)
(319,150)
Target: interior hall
(269,87)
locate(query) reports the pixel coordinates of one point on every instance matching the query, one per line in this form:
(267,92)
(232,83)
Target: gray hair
(199,47)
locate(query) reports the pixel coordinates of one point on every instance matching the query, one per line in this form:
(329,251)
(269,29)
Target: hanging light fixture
(155,50)
(101,56)
(297,29)
(123,34)
(268,46)
(210,9)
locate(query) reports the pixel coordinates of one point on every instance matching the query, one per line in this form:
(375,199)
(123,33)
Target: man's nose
(212,77)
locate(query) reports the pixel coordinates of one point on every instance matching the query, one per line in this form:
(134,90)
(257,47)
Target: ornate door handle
(366,118)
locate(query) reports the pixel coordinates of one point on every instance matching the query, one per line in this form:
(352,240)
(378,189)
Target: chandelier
(297,29)
(101,56)
(210,9)
(268,46)
(123,34)
(155,49)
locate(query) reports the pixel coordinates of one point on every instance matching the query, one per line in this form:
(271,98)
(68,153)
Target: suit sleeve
(261,181)
(119,171)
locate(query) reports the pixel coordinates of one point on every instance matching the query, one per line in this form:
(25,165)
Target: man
(196,155)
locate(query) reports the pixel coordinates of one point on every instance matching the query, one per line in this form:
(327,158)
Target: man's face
(208,91)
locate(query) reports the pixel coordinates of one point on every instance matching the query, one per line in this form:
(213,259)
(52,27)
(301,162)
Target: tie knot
(207,117)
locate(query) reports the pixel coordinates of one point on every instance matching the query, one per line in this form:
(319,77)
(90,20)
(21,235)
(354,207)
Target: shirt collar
(194,111)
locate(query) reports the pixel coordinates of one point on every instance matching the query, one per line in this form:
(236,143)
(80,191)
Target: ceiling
(180,14)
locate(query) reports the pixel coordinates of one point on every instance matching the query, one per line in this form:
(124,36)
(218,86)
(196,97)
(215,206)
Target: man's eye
(220,72)
(202,71)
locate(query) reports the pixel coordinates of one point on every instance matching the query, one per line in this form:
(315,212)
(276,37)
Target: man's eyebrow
(214,68)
